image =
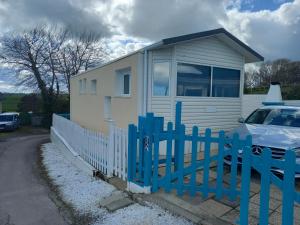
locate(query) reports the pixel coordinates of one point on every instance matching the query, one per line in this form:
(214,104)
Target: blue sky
(271,27)
(258,5)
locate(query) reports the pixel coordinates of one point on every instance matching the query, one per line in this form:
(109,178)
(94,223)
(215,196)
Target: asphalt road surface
(24,196)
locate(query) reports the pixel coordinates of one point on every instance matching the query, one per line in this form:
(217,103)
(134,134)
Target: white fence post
(111,149)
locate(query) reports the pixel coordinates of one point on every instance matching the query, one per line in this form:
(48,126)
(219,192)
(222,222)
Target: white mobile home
(204,70)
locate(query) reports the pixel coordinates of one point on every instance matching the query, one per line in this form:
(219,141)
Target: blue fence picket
(177,128)
(246,176)
(169,157)
(265,187)
(149,128)
(207,146)
(233,168)
(180,160)
(155,162)
(132,148)
(194,161)
(288,188)
(141,125)
(220,165)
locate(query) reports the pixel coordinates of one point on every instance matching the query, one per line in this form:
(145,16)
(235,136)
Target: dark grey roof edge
(187,37)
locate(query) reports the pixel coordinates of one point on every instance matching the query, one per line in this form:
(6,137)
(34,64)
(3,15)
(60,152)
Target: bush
(25,118)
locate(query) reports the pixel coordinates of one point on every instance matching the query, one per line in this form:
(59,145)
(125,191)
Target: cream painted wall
(88,109)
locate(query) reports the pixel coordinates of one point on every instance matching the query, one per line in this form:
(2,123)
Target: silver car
(9,121)
(275,127)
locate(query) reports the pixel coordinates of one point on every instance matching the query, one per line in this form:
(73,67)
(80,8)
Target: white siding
(250,103)
(205,112)
(209,51)
(215,113)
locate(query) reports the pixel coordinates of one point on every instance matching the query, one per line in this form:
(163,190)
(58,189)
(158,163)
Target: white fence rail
(107,154)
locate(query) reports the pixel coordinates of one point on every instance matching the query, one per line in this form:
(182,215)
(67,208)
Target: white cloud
(275,34)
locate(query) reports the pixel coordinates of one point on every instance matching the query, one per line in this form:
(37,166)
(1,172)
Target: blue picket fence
(147,167)
(144,159)
(265,165)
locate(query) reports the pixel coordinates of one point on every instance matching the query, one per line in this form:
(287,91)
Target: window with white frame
(123,82)
(82,86)
(94,87)
(161,78)
(206,81)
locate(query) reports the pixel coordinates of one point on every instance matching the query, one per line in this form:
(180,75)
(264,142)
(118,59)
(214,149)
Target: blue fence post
(233,169)
(132,141)
(156,155)
(177,128)
(206,163)
(246,176)
(148,148)
(288,191)
(194,161)
(169,156)
(181,160)
(141,125)
(220,168)
(265,186)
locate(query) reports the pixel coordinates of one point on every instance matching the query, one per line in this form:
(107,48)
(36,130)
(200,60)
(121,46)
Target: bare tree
(30,54)
(80,53)
(46,57)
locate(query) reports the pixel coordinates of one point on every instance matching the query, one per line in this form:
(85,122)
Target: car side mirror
(241,120)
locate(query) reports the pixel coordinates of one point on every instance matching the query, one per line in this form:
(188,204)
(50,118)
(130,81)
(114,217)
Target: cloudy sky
(272,27)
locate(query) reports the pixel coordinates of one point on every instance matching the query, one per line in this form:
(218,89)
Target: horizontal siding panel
(210,44)
(209,51)
(163,54)
(217,55)
(209,61)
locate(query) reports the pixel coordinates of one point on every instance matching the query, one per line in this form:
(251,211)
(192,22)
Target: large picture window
(161,77)
(193,80)
(226,82)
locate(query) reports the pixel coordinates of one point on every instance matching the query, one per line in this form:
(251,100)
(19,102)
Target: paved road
(24,197)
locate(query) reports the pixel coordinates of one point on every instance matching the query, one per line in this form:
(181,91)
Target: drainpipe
(274,96)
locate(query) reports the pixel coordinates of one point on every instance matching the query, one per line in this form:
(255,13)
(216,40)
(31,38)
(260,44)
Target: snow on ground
(85,192)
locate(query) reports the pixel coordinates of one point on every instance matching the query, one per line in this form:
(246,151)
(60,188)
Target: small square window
(123,85)
(126,84)
(94,87)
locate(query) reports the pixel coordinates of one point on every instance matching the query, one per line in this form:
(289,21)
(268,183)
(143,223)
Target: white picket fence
(107,154)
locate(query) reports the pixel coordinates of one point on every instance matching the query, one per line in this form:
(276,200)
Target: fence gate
(175,170)
(265,165)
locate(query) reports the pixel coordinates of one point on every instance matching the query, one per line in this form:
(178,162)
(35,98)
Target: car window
(283,117)
(4,118)
(258,116)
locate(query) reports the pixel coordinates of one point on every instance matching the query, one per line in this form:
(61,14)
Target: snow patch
(85,193)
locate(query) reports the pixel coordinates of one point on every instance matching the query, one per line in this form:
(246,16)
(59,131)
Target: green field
(10,102)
